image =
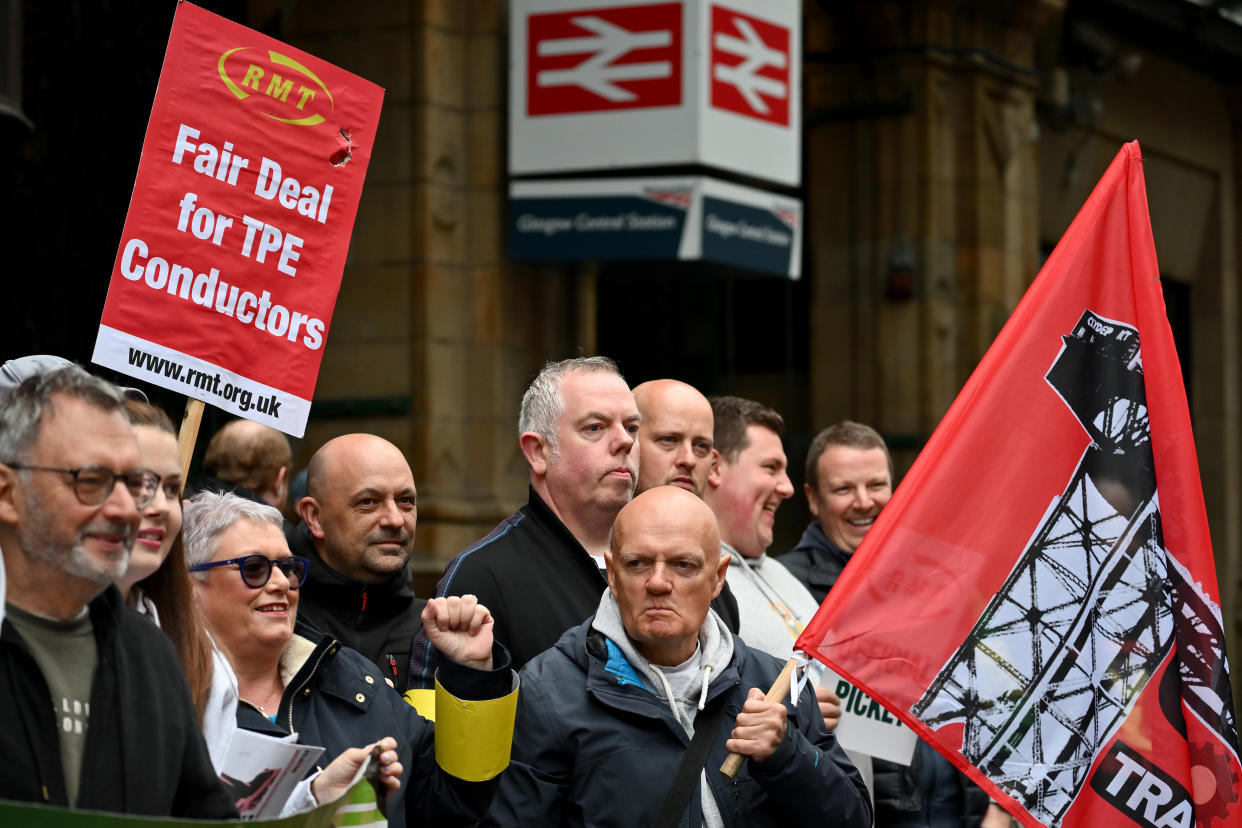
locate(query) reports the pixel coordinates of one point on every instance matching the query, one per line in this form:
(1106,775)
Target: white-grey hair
(543,404)
(208,515)
(23,408)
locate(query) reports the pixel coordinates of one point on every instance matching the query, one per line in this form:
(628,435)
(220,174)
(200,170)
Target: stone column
(429,309)
(922,201)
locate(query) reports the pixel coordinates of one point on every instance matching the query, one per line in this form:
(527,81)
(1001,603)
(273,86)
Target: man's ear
(535,450)
(308,508)
(10,494)
(278,483)
(612,581)
(811,502)
(715,474)
(721,567)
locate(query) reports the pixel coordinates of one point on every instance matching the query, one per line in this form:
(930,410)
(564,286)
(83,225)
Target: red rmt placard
(232,252)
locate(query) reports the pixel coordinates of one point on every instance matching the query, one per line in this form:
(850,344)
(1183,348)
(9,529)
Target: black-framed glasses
(256,570)
(93,484)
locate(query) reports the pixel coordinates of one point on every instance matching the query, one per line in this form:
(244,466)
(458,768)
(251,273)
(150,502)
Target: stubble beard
(37,542)
(380,564)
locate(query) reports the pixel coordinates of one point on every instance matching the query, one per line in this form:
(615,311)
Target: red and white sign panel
(609,83)
(236,236)
(598,60)
(1039,599)
(750,66)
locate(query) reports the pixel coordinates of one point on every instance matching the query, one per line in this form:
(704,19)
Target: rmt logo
(750,66)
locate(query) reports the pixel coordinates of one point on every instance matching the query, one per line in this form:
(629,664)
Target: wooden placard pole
(780,689)
(189,435)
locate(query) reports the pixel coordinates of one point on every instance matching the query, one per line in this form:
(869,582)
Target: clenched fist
(460,628)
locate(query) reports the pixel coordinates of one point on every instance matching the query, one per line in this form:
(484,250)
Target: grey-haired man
(96,711)
(540,571)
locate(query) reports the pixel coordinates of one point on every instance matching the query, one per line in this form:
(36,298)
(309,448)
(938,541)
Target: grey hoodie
(714,653)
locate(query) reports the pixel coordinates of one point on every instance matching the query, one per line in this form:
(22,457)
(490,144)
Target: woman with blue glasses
(292,678)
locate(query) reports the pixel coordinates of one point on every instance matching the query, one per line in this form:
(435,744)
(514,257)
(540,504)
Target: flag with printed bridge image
(1038,600)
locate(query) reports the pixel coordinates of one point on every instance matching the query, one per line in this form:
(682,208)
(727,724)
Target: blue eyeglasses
(256,570)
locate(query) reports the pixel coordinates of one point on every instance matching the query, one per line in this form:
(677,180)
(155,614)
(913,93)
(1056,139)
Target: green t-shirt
(66,655)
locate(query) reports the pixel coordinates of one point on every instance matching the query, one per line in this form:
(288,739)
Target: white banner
(201,380)
(867,727)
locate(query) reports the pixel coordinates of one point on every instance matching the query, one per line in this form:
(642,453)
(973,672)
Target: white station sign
(598,84)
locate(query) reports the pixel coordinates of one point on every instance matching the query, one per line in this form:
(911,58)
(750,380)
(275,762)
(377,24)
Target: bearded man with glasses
(293,678)
(94,708)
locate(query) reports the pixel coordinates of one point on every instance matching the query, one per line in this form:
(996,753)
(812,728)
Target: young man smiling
(748,482)
(849,479)
(746,485)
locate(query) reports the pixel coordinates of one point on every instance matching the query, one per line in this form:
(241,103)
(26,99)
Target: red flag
(1038,600)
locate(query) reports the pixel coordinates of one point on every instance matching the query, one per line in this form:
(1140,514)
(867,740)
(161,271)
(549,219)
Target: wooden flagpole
(780,689)
(189,435)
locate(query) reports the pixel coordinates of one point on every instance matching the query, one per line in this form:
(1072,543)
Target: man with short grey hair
(540,571)
(76,660)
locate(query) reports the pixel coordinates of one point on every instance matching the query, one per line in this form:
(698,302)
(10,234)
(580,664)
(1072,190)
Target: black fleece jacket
(144,750)
(378,620)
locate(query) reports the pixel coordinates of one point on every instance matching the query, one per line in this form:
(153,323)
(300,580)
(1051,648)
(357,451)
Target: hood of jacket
(621,663)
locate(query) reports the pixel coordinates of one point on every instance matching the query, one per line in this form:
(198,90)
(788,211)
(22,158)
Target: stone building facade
(947,146)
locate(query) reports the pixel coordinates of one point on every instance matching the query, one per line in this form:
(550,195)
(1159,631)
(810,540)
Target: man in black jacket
(540,571)
(606,716)
(359,518)
(849,478)
(97,714)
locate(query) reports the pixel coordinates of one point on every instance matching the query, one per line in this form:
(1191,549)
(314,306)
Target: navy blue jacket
(338,699)
(816,561)
(593,748)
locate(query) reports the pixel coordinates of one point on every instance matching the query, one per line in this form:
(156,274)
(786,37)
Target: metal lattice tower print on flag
(1090,610)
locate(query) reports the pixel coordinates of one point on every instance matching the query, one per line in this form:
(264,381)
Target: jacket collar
(303,665)
(105,613)
(542,513)
(715,643)
(613,681)
(338,590)
(826,556)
